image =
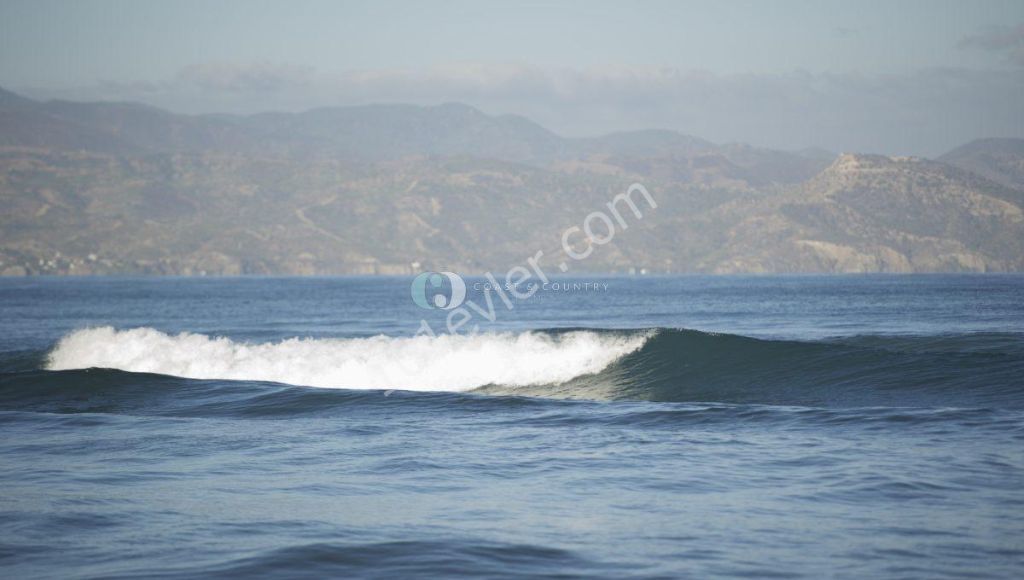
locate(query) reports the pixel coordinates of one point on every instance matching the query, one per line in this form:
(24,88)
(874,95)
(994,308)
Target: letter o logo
(435,280)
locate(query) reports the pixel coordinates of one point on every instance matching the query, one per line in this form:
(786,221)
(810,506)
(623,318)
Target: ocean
(644,427)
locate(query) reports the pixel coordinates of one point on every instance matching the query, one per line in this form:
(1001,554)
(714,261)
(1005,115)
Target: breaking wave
(668,365)
(421,363)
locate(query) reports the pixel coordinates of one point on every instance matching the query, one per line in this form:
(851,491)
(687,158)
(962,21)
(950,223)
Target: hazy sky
(892,77)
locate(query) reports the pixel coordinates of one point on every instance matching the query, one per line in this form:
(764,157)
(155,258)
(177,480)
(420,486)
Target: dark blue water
(654,427)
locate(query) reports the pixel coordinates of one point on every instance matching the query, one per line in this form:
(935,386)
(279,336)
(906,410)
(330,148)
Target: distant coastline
(126,189)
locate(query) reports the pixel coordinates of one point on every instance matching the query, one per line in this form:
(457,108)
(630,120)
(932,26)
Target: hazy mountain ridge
(367,133)
(394,189)
(1000,160)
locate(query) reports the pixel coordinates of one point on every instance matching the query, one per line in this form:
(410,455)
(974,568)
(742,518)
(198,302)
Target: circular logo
(433,283)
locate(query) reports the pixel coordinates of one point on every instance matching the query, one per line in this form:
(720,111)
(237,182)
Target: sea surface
(647,427)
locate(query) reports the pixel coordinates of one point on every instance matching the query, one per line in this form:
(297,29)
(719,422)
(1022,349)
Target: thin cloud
(246,77)
(1007,40)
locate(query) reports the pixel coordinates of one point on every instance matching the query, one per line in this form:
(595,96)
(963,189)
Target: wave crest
(421,363)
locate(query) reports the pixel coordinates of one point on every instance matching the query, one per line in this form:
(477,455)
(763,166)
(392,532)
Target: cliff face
(870,213)
(96,189)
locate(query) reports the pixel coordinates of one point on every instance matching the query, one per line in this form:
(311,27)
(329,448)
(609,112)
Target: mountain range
(113,188)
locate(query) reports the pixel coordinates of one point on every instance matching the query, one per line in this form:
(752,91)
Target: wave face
(974,370)
(422,363)
(687,365)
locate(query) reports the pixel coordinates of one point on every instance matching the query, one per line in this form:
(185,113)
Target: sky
(911,77)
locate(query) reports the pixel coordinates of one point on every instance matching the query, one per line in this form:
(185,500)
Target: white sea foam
(422,363)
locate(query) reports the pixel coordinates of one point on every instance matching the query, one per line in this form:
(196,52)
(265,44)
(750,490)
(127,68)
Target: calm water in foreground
(855,427)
